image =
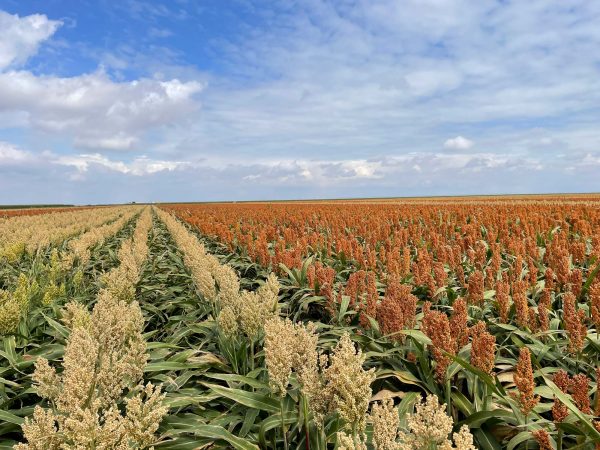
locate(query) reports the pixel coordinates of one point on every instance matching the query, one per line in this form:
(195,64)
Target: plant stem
(559,440)
(486,397)
(448,392)
(526,428)
(285,443)
(306,425)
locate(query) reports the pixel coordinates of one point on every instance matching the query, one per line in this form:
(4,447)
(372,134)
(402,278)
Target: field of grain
(385,323)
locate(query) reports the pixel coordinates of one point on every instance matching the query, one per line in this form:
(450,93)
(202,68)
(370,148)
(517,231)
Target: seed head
(349,442)
(428,427)
(349,383)
(437,327)
(543,439)
(458,323)
(525,383)
(559,409)
(503,300)
(287,346)
(397,310)
(475,288)
(483,348)
(579,390)
(574,323)
(385,421)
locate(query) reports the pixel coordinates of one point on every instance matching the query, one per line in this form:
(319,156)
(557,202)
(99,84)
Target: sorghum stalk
(283,430)
(306,424)
(448,397)
(559,439)
(486,397)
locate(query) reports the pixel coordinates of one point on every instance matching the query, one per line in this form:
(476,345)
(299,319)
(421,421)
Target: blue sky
(104,101)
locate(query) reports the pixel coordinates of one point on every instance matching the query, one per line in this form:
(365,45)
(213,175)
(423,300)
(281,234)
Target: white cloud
(120,141)
(355,96)
(96,111)
(13,156)
(369,78)
(138,167)
(430,82)
(328,172)
(10,154)
(92,109)
(95,177)
(458,143)
(21,36)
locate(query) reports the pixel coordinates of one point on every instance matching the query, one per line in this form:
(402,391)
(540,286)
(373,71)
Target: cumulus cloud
(370,78)
(275,172)
(97,111)
(95,176)
(330,98)
(21,36)
(93,109)
(138,167)
(12,155)
(458,143)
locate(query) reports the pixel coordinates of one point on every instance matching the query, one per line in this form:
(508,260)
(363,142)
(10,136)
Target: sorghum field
(388,324)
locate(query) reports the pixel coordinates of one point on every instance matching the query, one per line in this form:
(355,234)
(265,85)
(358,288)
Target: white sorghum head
(385,421)
(349,383)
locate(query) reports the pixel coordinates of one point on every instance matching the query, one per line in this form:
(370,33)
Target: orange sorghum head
(475,288)
(549,278)
(559,410)
(458,323)
(519,296)
(372,298)
(576,281)
(525,383)
(594,295)
(398,308)
(543,439)
(579,390)
(437,327)
(503,300)
(543,308)
(574,323)
(483,348)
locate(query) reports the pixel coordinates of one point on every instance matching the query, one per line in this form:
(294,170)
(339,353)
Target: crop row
(210,345)
(493,307)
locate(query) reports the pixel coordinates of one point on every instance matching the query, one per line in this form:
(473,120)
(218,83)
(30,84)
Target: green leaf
(464,405)
(486,440)
(407,403)
(521,437)
(417,335)
(403,376)
(477,419)
(251,416)
(179,443)
(171,365)
(274,421)
(250,399)
(218,432)
(238,379)
(11,418)
(566,399)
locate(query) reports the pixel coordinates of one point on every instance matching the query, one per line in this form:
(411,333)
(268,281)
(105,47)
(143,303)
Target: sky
(108,102)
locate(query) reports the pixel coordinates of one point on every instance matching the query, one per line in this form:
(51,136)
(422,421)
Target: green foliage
(217,388)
